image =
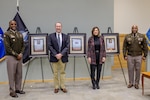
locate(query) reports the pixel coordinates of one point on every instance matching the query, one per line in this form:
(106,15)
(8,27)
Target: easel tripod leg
(103,66)
(42,69)
(50,65)
(122,70)
(26,75)
(87,65)
(74,70)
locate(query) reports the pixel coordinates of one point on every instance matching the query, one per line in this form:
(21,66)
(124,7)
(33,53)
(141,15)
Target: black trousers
(95,68)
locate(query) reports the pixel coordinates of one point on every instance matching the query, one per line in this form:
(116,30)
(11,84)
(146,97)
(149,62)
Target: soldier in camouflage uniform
(14,46)
(134,50)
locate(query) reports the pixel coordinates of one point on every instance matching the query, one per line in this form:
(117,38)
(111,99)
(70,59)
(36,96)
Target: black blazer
(54,48)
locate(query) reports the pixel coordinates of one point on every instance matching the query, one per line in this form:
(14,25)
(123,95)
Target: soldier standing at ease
(14,46)
(134,50)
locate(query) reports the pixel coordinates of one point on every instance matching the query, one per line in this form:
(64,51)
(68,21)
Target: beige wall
(130,12)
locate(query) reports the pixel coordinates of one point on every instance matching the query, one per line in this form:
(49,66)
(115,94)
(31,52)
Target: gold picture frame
(77,43)
(38,44)
(111,43)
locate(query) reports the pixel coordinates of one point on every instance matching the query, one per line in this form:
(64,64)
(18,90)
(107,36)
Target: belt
(97,51)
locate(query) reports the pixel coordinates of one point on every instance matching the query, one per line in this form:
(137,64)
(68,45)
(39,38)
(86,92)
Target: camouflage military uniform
(14,45)
(134,47)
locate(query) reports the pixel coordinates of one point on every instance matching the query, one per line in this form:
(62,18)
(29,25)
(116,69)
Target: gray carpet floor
(110,89)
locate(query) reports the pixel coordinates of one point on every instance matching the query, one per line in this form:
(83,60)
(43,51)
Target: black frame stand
(103,66)
(41,71)
(110,31)
(76,31)
(122,70)
(38,30)
(74,56)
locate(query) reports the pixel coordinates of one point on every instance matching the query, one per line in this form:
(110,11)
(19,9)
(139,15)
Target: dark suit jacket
(54,48)
(91,49)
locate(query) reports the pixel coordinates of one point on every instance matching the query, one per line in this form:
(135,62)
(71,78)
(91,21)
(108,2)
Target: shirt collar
(60,34)
(13,31)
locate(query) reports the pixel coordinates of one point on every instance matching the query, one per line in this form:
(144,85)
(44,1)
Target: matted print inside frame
(111,43)
(77,43)
(38,44)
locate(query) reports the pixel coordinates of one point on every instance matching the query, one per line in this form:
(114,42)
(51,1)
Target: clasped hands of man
(58,56)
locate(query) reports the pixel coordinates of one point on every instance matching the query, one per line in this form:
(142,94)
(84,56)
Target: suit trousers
(14,70)
(59,74)
(134,64)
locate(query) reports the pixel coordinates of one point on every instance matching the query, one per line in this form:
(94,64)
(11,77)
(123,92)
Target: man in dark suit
(58,44)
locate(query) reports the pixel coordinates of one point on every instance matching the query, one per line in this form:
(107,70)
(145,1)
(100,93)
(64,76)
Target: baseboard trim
(67,79)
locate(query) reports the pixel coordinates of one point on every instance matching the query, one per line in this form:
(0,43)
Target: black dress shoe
(94,87)
(93,84)
(20,92)
(13,94)
(97,86)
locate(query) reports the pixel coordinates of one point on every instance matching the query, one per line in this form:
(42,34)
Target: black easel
(122,69)
(76,31)
(110,31)
(103,65)
(38,30)
(28,70)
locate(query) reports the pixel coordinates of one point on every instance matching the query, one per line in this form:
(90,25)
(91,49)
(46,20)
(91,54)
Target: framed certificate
(111,43)
(77,43)
(38,44)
